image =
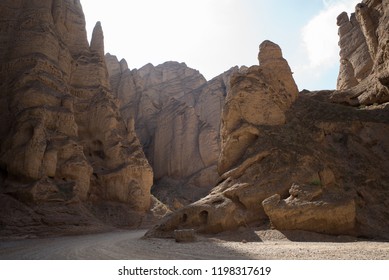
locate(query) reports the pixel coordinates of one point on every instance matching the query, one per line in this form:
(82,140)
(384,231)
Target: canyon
(176,115)
(89,145)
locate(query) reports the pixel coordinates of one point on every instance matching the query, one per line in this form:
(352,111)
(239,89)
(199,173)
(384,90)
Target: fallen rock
(308,209)
(184,235)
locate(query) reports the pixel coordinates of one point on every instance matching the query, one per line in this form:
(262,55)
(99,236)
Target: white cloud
(214,35)
(320,34)
(319,65)
(200,33)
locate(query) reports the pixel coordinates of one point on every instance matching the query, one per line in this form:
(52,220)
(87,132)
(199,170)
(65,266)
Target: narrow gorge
(88,144)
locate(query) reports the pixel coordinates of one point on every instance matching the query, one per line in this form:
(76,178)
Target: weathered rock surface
(274,138)
(70,160)
(259,95)
(176,113)
(62,139)
(309,209)
(356,61)
(256,97)
(364,55)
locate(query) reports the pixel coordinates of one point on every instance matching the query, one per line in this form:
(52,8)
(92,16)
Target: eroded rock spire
(97,42)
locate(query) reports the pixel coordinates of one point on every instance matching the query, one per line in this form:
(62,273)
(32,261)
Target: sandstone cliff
(364,51)
(70,160)
(63,141)
(176,113)
(296,160)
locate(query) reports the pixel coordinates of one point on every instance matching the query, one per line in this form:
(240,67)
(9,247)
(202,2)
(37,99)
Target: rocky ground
(243,244)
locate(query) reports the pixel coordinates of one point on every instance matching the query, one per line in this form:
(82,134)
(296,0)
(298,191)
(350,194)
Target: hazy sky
(214,35)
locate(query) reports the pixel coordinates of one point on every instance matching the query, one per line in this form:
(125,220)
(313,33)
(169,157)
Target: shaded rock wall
(62,135)
(176,113)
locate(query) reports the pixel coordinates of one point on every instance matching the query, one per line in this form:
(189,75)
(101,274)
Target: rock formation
(364,71)
(176,113)
(356,61)
(71,160)
(63,139)
(258,96)
(255,97)
(296,160)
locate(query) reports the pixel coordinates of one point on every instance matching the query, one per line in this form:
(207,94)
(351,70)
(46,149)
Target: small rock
(185,235)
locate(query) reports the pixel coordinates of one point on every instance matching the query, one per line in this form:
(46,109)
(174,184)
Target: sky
(214,35)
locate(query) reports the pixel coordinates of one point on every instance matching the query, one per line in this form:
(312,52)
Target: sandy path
(129,245)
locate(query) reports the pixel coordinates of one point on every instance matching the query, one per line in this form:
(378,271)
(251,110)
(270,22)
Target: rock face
(70,160)
(62,135)
(298,160)
(356,61)
(257,97)
(177,118)
(364,51)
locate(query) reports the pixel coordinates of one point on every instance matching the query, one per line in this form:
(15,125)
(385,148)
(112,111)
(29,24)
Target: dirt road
(129,245)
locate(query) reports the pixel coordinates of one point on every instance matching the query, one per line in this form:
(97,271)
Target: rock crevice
(176,113)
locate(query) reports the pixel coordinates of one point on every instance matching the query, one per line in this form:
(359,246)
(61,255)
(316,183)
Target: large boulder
(311,208)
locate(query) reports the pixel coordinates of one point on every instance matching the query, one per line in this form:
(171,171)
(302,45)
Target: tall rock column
(39,141)
(61,127)
(258,96)
(97,41)
(364,61)
(356,61)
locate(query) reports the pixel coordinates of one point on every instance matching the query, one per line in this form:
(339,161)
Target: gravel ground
(246,244)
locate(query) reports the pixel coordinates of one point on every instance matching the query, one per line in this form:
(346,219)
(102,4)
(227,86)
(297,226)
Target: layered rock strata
(364,51)
(176,113)
(62,135)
